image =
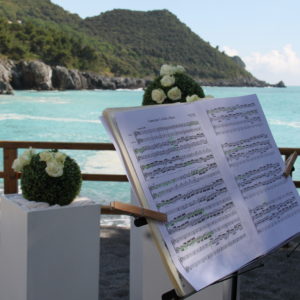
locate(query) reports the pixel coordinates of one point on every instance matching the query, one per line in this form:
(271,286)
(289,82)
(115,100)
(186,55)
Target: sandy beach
(278,279)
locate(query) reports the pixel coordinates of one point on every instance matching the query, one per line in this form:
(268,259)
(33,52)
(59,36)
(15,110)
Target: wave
(104,162)
(285,123)
(129,90)
(11,116)
(50,100)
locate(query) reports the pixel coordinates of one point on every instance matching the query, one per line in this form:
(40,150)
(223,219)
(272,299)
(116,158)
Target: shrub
(50,176)
(173,85)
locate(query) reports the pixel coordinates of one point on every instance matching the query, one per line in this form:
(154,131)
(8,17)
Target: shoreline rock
(5,76)
(40,76)
(280,84)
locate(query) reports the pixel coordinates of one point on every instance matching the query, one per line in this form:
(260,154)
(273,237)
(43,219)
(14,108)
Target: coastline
(36,75)
(276,280)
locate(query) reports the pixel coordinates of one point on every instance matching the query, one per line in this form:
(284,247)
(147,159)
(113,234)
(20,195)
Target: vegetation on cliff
(157,37)
(118,42)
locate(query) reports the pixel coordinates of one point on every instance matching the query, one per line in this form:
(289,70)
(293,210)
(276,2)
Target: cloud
(230,51)
(275,65)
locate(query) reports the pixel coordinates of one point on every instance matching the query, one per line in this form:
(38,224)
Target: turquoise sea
(73,116)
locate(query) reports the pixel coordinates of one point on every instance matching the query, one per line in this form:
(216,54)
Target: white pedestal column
(148,277)
(50,253)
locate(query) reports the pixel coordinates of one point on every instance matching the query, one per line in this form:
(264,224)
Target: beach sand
(278,279)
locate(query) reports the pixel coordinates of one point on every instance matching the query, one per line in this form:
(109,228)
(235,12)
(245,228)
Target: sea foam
(12,116)
(107,162)
(285,123)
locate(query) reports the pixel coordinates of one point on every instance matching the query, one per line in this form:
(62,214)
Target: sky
(264,33)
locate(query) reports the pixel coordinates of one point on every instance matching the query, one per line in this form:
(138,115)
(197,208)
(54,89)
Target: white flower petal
(158,95)
(17,165)
(46,156)
(167,80)
(192,98)
(179,69)
(54,169)
(174,93)
(167,70)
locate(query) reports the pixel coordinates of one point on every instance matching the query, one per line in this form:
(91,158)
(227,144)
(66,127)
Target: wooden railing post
(10,177)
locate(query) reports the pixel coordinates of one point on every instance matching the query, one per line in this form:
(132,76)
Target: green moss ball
(38,186)
(185,83)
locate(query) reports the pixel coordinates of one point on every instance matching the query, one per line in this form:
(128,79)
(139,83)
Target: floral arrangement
(173,85)
(48,176)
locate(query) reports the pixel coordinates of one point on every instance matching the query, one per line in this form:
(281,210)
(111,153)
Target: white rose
(167,80)
(167,70)
(179,69)
(29,153)
(25,158)
(158,95)
(192,98)
(17,165)
(45,156)
(60,157)
(174,93)
(54,169)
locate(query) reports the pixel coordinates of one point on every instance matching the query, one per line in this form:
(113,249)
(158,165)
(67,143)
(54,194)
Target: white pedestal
(148,277)
(50,253)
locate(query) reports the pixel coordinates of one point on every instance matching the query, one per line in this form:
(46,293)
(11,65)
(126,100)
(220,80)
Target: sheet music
(213,167)
(180,177)
(245,139)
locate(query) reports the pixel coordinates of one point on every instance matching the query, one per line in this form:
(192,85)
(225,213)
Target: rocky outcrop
(238,82)
(39,76)
(64,79)
(280,84)
(5,77)
(5,88)
(97,81)
(32,75)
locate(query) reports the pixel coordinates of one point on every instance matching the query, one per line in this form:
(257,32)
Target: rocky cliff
(37,75)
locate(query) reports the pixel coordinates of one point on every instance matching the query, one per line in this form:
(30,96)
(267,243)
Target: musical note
(233,118)
(188,194)
(198,217)
(262,176)
(270,213)
(246,149)
(174,167)
(195,264)
(163,135)
(167,128)
(171,149)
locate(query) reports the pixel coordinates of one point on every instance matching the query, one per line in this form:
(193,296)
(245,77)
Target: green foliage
(157,37)
(118,42)
(37,185)
(54,46)
(186,84)
(45,10)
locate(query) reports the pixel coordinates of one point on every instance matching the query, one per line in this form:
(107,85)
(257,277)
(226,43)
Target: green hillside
(45,10)
(38,29)
(118,42)
(157,37)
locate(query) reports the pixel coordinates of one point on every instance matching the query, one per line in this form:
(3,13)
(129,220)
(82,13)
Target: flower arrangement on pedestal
(173,85)
(48,176)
